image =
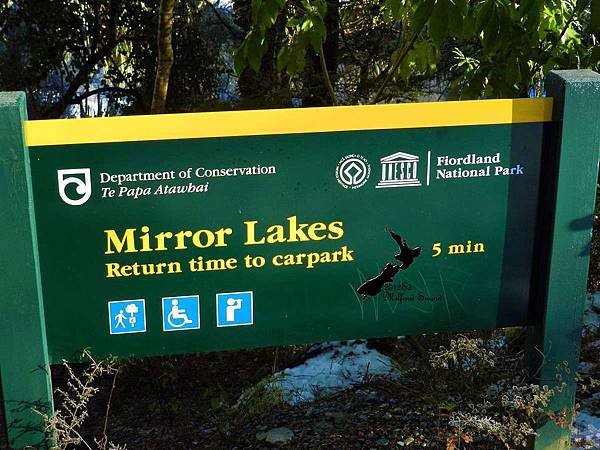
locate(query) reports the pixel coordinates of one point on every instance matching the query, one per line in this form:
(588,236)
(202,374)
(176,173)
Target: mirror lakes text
(143,240)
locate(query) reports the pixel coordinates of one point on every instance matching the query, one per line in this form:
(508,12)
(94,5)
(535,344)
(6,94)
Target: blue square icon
(235,309)
(181,313)
(127,316)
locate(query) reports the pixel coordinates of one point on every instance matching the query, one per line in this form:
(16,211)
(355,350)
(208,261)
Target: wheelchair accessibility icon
(181,313)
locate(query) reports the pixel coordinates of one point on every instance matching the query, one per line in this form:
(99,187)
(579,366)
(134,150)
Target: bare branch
(235,31)
(326,76)
(102,90)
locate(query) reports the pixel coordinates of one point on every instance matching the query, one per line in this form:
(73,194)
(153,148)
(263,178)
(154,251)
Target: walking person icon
(119,318)
(127,316)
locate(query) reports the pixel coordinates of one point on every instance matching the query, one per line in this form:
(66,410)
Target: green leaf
(457,13)
(422,15)
(394,7)
(239,59)
(484,14)
(255,6)
(307,24)
(255,50)
(438,23)
(491,33)
(322,8)
(297,60)
(532,12)
(468,29)
(315,41)
(404,70)
(283,58)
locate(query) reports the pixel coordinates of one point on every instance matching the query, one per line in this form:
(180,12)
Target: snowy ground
(587,426)
(336,366)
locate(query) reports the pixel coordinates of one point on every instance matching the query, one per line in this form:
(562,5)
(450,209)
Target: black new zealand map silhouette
(406,256)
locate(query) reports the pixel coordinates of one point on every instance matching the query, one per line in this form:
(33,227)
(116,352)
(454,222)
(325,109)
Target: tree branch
(395,66)
(235,31)
(102,90)
(81,78)
(326,76)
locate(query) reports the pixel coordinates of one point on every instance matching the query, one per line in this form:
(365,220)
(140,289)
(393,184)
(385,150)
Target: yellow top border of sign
(286,121)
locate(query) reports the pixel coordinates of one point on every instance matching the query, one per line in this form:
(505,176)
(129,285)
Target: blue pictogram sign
(235,308)
(127,316)
(181,313)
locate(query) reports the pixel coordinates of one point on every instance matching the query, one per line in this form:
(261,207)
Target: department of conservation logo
(352,171)
(82,181)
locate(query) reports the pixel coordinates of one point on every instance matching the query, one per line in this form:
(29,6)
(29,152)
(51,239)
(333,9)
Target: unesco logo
(352,171)
(80,179)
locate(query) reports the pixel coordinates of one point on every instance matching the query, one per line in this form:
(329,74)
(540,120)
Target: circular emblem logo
(352,171)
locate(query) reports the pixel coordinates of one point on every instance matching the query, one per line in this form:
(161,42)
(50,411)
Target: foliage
(86,50)
(480,385)
(498,48)
(507,408)
(258,399)
(70,413)
(515,44)
(309,52)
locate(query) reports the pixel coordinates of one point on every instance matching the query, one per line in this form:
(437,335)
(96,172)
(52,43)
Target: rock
(383,442)
(387,416)
(261,436)
(279,435)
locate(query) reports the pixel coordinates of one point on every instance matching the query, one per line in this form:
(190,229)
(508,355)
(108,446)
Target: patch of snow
(585,367)
(335,367)
(586,431)
(497,343)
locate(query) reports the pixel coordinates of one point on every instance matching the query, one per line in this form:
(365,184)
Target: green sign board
(157,235)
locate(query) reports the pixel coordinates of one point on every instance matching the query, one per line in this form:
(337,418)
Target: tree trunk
(165,56)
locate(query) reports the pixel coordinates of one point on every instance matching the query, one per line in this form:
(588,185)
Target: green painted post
(24,367)
(569,174)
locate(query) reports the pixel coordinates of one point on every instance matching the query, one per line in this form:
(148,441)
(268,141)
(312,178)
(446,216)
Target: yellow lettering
(181,239)
(112,270)
(250,233)
(312,231)
(160,240)
(221,236)
(336,230)
(276,234)
(197,238)
(113,241)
